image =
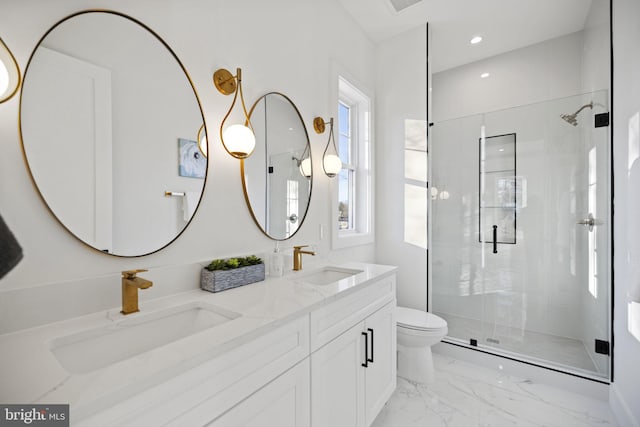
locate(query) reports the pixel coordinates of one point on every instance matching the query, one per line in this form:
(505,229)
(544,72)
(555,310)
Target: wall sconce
(331,163)
(9,73)
(238,139)
(202,140)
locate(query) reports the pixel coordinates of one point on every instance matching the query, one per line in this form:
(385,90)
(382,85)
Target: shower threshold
(546,350)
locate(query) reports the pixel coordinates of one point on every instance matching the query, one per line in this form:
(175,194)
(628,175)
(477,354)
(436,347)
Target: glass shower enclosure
(520,232)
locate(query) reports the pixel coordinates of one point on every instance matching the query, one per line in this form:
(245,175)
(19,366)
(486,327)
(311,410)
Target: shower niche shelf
(498,189)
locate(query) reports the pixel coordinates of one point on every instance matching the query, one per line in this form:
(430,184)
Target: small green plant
(233,263)
(253,260)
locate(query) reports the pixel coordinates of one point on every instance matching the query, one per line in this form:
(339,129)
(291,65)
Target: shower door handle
(589,221)
(495,239)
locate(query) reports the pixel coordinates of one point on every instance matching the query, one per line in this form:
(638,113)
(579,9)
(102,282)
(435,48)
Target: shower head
(572,119)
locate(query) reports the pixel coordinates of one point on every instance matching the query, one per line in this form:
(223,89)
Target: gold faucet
(130,286)
(297,256)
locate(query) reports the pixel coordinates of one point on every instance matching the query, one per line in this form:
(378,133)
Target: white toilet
(417,332)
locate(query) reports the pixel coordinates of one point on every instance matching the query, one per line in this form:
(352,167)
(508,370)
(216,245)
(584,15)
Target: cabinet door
(284,402)
(380,375)
(337,381)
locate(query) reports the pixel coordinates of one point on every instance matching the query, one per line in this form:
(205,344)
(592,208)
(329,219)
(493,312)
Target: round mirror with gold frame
(109,120)
(277,178)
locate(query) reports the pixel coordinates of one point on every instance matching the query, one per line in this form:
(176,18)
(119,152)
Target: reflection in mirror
(107,131)
(277,177)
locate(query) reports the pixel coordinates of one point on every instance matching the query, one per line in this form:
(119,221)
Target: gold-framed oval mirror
(109,119)
(277,178)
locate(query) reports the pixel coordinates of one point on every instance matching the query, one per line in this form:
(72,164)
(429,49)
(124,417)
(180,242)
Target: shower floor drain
(493,341)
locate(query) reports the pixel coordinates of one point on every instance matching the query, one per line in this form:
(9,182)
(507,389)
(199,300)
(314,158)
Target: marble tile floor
(555,349)
(467,395)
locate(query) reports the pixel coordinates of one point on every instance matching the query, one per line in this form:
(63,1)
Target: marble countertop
(30,373)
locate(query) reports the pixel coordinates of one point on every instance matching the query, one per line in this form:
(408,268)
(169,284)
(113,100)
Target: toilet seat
(418,320)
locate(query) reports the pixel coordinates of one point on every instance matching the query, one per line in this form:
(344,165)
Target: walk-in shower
(520,248)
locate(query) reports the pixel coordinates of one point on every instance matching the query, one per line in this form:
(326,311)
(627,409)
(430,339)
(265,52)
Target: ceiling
(504,24)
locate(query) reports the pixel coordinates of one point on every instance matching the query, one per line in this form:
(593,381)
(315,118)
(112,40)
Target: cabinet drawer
(333,319)
(208,390)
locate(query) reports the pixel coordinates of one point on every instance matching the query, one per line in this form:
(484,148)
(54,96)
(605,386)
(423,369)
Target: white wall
(625,391)
(536,73)
(273,43)
(401,93)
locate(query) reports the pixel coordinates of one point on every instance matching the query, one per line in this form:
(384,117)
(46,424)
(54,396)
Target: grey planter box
(221,280)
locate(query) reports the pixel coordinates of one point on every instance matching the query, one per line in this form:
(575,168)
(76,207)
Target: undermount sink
(328,275)
(96,348)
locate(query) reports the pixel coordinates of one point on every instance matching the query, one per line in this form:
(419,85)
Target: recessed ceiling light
(484,75)
(476,40)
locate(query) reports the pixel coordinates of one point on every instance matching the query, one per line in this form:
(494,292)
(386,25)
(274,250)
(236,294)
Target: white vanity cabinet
(284,402)
(354,374)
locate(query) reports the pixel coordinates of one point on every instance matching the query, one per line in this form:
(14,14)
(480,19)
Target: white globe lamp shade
(202,142)
(332,165)
(305,167)
(4,78)
(239,140)
(9,73)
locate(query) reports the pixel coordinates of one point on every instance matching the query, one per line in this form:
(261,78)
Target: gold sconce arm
(203,141)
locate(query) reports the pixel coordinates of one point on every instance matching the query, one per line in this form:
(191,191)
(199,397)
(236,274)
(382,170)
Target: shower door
(520,244)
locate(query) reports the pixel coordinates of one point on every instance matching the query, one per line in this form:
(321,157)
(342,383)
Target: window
(415,183)
(352,214)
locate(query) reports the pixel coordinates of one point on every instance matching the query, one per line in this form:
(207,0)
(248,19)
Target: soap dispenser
(276,265)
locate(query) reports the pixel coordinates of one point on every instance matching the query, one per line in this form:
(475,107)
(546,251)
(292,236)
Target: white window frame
(358,98)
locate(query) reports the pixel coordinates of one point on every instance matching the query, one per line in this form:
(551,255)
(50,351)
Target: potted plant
(223,274)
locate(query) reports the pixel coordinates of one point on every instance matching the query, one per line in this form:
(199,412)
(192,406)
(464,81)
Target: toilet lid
(418,319)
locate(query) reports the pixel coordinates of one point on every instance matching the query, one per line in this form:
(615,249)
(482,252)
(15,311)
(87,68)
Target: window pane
(345,199)
(343,119)
(415,215)
(343,149)
(415,134)
(344,133)
(415,165)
